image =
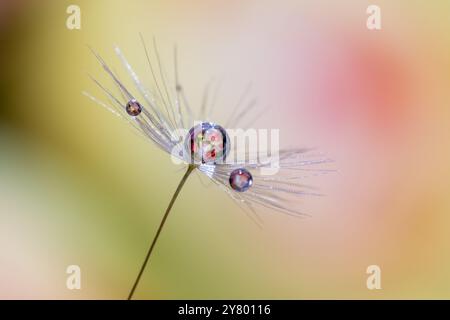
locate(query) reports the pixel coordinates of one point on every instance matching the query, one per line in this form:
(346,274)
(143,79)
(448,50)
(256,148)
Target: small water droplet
(208,143)
(133,108)
(241,180)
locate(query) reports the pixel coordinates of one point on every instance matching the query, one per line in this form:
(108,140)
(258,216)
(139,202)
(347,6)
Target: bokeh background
(78,186)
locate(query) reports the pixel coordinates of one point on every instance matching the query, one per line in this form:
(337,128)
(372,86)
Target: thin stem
(172,201)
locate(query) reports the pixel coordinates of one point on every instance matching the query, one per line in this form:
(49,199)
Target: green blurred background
(77,186)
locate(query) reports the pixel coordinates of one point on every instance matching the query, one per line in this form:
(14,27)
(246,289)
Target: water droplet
(207,143)
(241,180)
(133,108)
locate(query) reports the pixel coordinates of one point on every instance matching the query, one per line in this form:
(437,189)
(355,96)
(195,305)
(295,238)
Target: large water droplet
(133,108)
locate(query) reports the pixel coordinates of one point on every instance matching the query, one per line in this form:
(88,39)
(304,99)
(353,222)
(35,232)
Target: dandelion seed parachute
(278,192)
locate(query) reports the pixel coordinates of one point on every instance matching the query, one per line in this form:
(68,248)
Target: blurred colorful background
(78,187)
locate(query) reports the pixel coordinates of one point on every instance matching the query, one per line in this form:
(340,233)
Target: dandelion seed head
(241,180)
